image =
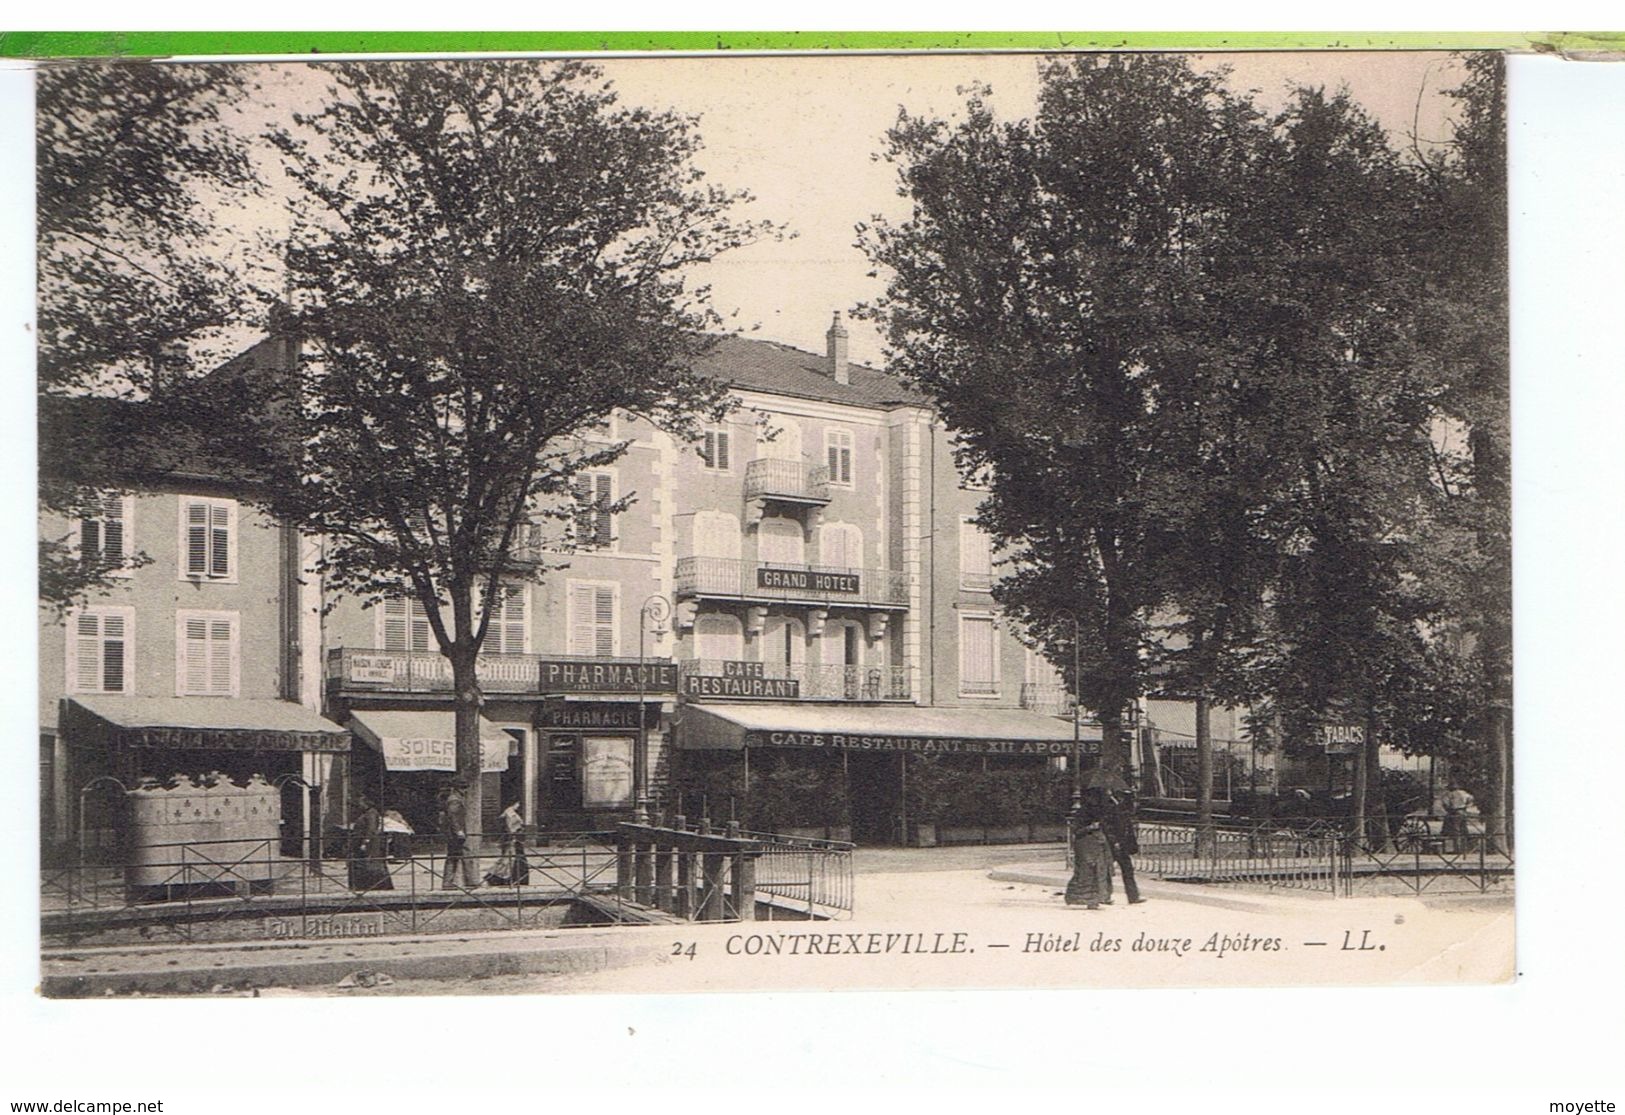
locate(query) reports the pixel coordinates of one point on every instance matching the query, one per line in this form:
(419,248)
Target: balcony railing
(1046,697)
(766,478)
(813,683)
(402,671)
(737,579)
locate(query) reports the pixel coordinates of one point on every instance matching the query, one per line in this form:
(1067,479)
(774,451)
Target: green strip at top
(164,44)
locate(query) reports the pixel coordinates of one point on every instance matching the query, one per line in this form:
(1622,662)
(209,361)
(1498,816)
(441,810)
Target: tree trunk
(1497,825)
(1113,752)
(466,690)
(1204,778)
(1362,775)
(1378,834)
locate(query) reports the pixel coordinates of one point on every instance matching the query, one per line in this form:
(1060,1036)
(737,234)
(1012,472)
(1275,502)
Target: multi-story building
(794,613)
(191,664)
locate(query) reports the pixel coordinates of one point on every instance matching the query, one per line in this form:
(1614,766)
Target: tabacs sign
(1342,739)
(576,675)
(809,580)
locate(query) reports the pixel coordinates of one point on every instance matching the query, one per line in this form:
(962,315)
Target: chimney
(169,368)
(835,358)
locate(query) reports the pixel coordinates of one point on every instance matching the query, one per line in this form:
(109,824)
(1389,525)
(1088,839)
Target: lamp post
(656,610)
(1077,730)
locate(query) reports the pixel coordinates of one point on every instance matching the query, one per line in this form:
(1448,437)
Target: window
(99,650)
(106,537)
(593,611)
(404,626)
(838,450)
(718,638)
(208,539)
(716,535)
(978,657)
(841,644)
(840,546)
(206,654)
(595,495)
(975,558)
(508,631)
(780,542)
(717,449)
(784,643)
(786,439)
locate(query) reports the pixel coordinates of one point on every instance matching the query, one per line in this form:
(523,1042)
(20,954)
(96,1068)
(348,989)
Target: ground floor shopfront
(878,775)
(133,771)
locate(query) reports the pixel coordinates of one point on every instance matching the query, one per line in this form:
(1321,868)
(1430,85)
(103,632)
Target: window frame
(183,550)
(234,649)
(495,626)
(71,663)
(76,536)
(997,681)
(967,583)
(604,521)
(840,438)
(717,431)
(381,628)
(570,587)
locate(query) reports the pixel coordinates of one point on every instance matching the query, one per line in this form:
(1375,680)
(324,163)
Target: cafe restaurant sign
(918,745)
(741,679)
(583,675)
(808,580)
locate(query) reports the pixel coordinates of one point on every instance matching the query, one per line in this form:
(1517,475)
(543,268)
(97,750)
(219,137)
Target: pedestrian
(511,868)
(398,834)
(368,870)
(1457,804)
(1124,841)
(454,823)
(1091,882)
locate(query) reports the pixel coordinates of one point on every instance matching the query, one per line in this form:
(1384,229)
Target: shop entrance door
(876,791)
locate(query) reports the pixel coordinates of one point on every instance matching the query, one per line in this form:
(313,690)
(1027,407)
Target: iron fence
(806,872)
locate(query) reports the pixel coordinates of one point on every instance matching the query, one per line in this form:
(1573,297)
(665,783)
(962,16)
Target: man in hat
(455,824)
(1120,834)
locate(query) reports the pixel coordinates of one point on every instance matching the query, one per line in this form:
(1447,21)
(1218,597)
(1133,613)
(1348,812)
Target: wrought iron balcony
(1046,697)
(717,679)
(736,579)
(355,669)
(789,481)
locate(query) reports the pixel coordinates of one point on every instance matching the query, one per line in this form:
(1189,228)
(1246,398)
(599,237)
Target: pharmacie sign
(561,675)
(917,745)
(741,679)
(1342,739)
(557,714)
(808,580)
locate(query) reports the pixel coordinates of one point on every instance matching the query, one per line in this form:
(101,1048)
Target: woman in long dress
(1091,882)
(511,868)
(368,868)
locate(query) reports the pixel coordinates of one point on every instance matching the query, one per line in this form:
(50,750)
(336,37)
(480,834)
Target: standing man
(1457,803)
(455,825)
(1122,838)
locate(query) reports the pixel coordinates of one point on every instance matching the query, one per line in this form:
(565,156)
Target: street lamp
(655,611)
(1077,729)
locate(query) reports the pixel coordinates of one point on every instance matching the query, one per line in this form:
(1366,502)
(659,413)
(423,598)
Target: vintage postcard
(893,521)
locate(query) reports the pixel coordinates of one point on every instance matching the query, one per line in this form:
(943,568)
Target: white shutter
(112,540)
(219,540)
(197,539)
(779,542)
(507,631)
(581,627)
(975,556)
(112,654)
(395,623)
(220,657)
(88,652)
(195,672)
(976,654)
(840,546)
(604,623)
(421,632)
(603,494)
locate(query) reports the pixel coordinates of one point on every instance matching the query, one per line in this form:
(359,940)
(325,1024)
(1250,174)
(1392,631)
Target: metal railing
(216,890)
(813,683)
(403,671)
(1047,698)
(767,477)
(809,871)
(740,579)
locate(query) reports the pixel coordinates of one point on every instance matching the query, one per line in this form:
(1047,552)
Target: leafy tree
(133,163)
(489,262)
(1045,290)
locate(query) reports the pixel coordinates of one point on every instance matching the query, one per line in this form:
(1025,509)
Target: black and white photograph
(528,526)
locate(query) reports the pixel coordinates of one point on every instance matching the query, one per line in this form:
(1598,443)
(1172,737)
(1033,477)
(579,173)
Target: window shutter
(581,620)
(604,622)
(88,653)
(602,482)
(112,654)
(197,655)
(722,450)
(112,542)
(421,632)
(197,539)
(846,464)
(90,540)
(976,661)
(395,623)
(220,656)
(219,540)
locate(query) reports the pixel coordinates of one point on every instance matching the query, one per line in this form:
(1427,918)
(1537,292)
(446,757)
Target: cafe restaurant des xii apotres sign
(809,580)
(741,679)
(578,675)
(919,745)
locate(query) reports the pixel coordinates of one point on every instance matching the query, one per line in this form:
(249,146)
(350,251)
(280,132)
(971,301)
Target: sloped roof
(781,370)
(93,438)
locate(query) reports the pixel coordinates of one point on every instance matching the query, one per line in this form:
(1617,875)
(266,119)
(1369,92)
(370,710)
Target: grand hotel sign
(809,580)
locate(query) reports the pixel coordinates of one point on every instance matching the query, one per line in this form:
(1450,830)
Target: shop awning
(200,723)
(926,731)
(426,739)
(1175,723)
